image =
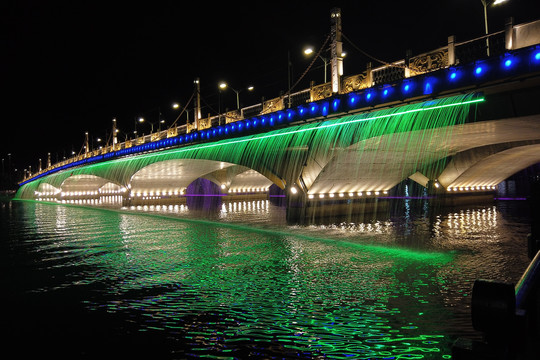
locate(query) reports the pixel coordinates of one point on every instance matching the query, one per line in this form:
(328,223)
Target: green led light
(323,126)
(272,153)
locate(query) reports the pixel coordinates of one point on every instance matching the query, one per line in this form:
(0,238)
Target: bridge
(451,121)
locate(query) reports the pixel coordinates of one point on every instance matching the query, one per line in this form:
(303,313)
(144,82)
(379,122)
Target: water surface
(239,282)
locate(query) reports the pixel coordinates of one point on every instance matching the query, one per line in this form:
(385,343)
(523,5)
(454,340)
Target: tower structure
(336,49)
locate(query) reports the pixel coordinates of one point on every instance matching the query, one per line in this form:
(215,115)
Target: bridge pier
(296,204)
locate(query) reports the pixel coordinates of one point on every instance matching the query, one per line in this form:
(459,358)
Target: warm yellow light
(222,85)
(308,51)
(175,105)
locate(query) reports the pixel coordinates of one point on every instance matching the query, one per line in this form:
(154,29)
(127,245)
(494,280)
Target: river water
(235,281)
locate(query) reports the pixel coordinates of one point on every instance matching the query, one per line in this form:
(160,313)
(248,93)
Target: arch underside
(176,175)
(497,167)
(474,154)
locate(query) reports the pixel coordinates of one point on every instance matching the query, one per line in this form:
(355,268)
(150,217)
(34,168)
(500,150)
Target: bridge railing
(511,38)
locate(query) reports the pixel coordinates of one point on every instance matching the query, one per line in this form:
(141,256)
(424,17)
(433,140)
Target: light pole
(224,85)
(177,106)
(86,143)
(143,120)
(98,141)
(487,3)
(309,51)
(137,120)
(114,134)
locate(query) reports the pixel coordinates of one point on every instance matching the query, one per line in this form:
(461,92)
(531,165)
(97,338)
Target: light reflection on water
(204,284)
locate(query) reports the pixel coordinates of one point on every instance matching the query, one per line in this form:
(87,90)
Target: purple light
(407,197)
(205,195)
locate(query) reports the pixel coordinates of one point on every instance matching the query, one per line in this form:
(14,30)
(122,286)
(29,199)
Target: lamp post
(143,120)
(114,134)
(487,3)
(98,142)
(224,85)
(159,122)
(86,143)
(309,51)
(177,106)
(137,120)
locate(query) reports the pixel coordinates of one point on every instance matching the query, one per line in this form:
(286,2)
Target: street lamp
(309,51)
(137,120)
(224,85)
(177,106)
(142,120)
(487,3)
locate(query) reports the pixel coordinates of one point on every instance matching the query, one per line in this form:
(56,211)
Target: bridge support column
(434,187)
(296,204)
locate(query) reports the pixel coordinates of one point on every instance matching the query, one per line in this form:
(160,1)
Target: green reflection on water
(227,288)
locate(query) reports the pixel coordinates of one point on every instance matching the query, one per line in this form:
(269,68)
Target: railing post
(369,75)
(509,34)
(408,55)
(451,50)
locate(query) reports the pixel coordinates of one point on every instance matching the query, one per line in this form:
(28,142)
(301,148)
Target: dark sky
(71,66)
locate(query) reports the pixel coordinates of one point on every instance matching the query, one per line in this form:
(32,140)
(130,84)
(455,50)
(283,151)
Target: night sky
(70,67)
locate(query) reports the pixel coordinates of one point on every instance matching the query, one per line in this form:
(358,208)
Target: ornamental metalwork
(354,83)
(172,132)
(272,105)
(429,62)
(232,116)
(321,91)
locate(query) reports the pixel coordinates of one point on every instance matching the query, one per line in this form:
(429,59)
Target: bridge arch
(88,186)
(46,190)
(455,156)
(174,176)
(83,182)
(490,169)
(378,164)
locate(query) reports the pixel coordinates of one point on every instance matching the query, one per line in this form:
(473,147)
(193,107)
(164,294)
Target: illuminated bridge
(442,119)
